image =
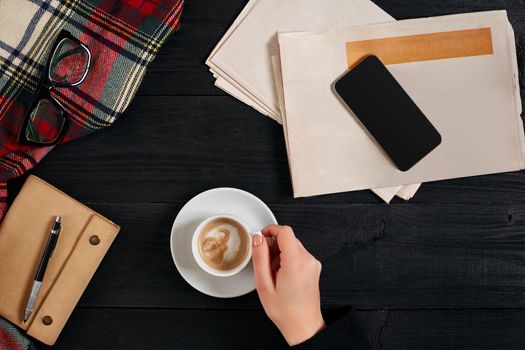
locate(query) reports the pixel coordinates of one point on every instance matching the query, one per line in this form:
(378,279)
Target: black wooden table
(445,270)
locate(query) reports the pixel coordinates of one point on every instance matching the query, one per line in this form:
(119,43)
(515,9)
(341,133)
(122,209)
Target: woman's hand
(287,281)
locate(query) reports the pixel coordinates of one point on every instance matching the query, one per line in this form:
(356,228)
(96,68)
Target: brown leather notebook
(84,240)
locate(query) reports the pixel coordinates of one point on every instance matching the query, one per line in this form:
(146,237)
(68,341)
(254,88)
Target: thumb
(261,265)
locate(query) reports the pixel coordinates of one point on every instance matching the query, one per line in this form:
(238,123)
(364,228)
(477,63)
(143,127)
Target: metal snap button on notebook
(94,240)
(47,320)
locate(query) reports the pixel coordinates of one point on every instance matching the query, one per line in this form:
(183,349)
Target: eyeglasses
(68,65)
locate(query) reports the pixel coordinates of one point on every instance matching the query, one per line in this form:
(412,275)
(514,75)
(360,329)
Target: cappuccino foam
(223,244)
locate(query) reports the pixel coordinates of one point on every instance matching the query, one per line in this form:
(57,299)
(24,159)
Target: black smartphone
(388,113)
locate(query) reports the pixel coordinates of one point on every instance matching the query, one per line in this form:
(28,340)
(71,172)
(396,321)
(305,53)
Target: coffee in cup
(222,245)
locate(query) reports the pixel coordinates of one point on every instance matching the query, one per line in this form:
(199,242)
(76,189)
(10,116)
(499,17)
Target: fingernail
(257,238)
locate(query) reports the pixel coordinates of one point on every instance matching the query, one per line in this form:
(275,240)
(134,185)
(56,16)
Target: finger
(261,265)
(266,233)
(285,238)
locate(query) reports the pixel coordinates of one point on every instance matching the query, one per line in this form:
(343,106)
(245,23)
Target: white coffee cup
(198,258)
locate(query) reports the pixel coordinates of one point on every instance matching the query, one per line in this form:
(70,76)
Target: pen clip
(55,241)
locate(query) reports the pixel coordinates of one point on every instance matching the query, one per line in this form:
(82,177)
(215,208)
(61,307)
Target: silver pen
(48,252)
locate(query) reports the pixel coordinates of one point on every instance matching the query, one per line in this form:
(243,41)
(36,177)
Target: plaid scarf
(123,36)
(12,339)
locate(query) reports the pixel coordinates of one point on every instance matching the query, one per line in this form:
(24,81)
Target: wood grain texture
(453,329)
(443,271)
(247,329)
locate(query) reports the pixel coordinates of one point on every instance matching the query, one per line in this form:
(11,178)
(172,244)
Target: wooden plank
(453,329)
(168,149)
(243,329)
(374,256)
(404,9)
(168,329)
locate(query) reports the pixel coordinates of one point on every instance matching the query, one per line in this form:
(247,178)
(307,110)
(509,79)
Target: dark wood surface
(445,270)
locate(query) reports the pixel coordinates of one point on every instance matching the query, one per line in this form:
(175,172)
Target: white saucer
(241,204)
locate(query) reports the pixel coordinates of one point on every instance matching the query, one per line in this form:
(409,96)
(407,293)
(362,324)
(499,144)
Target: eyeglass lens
(45,122)
(69,63)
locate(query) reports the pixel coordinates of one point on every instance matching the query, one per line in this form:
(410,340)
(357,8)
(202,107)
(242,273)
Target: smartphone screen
(391,117)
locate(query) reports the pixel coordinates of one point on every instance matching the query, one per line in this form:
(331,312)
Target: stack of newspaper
(281,57)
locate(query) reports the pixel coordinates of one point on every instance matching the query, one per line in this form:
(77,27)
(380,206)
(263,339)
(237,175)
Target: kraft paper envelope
(241,60)
(467,86)
(23,235)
